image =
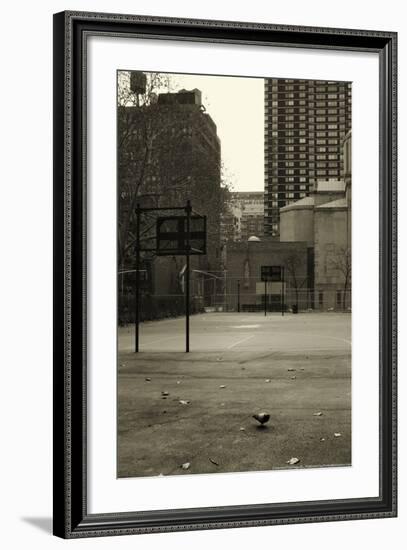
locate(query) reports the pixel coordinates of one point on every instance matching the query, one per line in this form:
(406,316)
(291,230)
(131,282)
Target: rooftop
(305,203)
(335,186)
(339,203)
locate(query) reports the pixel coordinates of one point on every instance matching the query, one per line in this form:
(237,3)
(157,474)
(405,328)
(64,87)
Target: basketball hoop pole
(265,297)
(282,294)
(188,210)
(137,322)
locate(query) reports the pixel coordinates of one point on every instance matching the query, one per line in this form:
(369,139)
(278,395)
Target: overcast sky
(236,105)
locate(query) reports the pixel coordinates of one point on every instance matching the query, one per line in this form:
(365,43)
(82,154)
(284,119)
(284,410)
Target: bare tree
(341,262)
(167,153)
(137,129)
(294,265)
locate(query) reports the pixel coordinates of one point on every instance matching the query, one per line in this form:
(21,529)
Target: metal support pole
(137,322)
(188,210)
(238,296)
(282,294)
(225,305)
(265,297)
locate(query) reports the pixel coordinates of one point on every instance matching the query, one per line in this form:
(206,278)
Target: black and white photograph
(200,275)
(234,273)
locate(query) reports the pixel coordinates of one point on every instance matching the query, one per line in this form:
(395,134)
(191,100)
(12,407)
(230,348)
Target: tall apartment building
(251,204)
(170,152)
(305,124)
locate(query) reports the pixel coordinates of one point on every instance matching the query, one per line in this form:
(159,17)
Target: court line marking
(240,341)
(161,339)
(340,339)
(244,326)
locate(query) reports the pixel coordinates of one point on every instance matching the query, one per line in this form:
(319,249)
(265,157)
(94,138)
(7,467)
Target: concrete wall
(330,251)
(297,224)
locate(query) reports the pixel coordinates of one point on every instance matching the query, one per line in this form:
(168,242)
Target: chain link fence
(216,293)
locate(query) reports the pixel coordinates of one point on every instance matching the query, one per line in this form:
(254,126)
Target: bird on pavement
(262,417)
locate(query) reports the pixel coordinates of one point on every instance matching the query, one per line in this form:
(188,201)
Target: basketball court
(176,407)
(248,332)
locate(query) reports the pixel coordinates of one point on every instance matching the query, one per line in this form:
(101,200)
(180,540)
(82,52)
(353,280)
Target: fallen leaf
(178,382)
(337,434)
(293,460)
(242,429)
(290,370)
(147,379)
(268,380)
(222,386)
(214,461)
(317,414)
(165,393)
(322,439)
(293,378)
(184,402)
(186,465)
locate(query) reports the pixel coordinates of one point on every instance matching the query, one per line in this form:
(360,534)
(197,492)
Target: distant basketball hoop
(271,273)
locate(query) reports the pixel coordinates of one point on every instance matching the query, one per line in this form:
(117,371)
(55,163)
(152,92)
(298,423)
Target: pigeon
(262,417)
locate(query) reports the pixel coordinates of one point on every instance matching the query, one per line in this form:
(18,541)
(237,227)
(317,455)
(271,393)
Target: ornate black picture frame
(71,517)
